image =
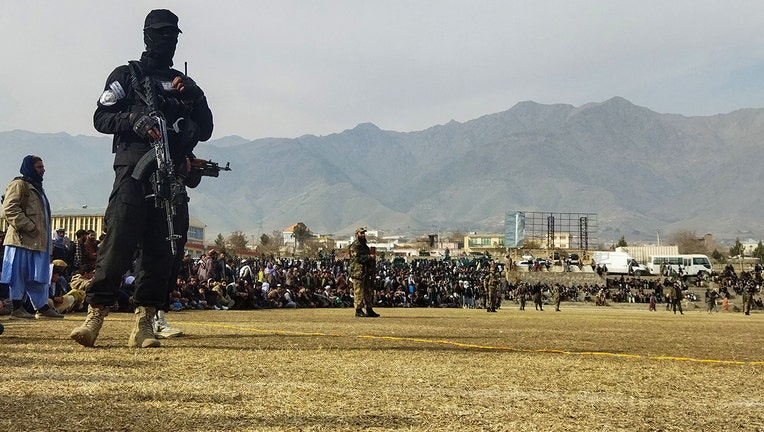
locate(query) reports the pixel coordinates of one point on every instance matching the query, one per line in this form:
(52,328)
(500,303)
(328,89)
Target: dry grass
(587,368)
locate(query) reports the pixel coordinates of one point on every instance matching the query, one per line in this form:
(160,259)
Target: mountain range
(638,170)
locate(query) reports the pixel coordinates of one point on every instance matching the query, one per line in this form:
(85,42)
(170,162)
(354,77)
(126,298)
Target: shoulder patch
(114,93)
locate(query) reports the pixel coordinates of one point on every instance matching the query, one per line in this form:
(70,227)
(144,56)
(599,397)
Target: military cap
(160,18)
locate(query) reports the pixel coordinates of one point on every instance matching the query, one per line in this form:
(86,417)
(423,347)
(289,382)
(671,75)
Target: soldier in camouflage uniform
(493,282)
(677,298)
(538,301)
(363,265)
(748,292)
(522,291)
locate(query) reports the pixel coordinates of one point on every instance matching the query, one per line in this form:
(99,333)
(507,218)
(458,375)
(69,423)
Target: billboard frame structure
(541,227)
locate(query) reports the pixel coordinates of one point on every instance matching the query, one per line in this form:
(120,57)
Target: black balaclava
(160,47)
(160,34)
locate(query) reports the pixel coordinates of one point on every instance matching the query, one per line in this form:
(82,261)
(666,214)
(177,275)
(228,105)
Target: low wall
(552,277)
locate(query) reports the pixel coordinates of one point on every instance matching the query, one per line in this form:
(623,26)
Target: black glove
(142,124)
(191,91)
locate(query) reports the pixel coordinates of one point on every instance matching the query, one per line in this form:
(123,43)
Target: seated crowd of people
(217,282)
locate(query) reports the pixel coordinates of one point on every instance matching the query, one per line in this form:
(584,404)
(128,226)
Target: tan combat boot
(87,333)
(143,333)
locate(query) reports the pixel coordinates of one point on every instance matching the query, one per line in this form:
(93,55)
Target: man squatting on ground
(134,94)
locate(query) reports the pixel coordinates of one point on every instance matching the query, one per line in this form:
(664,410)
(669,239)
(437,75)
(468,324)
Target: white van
(619,262)
(690,264)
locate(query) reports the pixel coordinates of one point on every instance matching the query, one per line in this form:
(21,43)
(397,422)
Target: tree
(301,233)
(759,251)
(687,242)
(718,256)
(311,248)
(622,242)
(277,238)
(220,241)
(270,244)
(737,249)
(238,241)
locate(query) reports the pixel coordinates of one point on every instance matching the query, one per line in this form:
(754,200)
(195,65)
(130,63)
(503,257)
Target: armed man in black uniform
(135,99)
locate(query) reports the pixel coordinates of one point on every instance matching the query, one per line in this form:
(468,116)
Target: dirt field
(617,368)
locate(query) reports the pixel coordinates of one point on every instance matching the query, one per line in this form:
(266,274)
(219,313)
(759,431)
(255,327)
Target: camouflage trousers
(492,296)
(363,293)
(747,302)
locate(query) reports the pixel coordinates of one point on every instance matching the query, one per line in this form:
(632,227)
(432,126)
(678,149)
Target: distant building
(196,237)
(561,240)
(73,220)
(749,246)
(374,239)
(643,253)
(482,242)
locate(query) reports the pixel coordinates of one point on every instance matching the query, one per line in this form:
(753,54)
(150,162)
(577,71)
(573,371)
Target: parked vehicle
(680,264)
(524,265)
(619,263)
(475,260)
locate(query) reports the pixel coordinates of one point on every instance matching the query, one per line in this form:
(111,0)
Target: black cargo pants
(135,231)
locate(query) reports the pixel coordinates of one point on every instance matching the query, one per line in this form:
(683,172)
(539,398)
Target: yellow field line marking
(482,347)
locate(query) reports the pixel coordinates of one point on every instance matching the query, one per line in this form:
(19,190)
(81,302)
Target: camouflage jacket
(362,264)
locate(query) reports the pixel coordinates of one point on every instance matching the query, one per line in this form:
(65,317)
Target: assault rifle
(209,168)
(167,188)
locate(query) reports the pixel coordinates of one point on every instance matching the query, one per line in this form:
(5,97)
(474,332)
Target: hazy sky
(288,68)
